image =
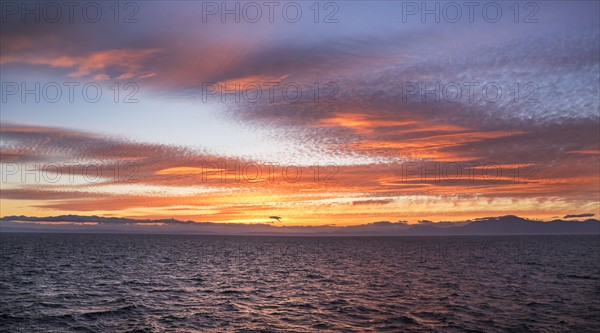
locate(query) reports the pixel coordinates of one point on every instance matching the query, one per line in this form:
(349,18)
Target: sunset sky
(370,114)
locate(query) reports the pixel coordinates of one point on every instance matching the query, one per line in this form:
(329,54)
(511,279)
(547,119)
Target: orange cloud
(128,62)
(171,177)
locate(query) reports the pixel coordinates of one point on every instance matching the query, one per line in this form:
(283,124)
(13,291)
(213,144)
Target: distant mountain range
(504,225)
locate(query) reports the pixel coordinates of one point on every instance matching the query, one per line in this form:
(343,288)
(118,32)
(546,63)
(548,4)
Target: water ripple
(154,283)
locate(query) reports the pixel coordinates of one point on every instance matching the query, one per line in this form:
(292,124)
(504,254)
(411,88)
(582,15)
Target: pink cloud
(128,63)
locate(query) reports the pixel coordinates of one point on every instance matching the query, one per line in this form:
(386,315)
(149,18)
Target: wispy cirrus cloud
(123,64)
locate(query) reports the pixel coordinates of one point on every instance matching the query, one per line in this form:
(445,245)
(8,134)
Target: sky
(331,112)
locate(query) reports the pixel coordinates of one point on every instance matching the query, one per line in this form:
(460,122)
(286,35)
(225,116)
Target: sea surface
(181,283)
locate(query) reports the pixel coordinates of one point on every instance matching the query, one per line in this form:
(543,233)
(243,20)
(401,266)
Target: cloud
(371,202)
(118,64)
(570,216)
(167,175)
(547,150)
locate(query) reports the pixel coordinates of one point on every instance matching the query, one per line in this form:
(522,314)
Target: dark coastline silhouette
(504,225)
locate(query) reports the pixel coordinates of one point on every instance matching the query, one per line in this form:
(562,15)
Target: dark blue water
(158,283)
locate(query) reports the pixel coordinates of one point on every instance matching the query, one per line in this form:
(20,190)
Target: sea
(194,283)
